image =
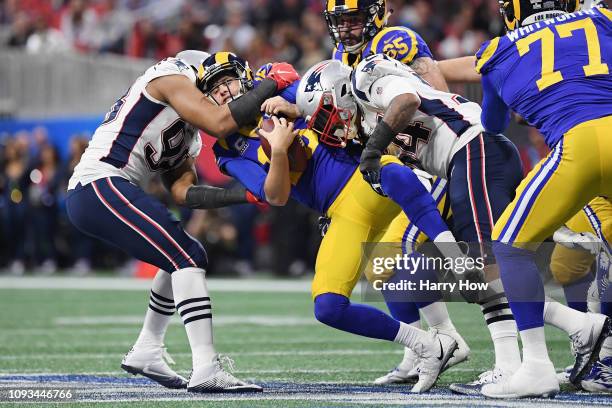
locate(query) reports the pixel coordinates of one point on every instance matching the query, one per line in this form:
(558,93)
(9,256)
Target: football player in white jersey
(441,133)
(152,129)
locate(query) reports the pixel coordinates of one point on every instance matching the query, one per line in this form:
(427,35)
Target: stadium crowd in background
(259,30)
(35,234)
(34,231)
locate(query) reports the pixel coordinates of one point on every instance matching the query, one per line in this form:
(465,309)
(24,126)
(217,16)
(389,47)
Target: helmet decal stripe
(222,57)
(517,9)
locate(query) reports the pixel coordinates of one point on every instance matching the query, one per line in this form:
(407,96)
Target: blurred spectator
(78,24)
(80,245)
(237,34)
(147,42)
(16,199)
(44,189)
(46,39)
(21,29)
(114,24)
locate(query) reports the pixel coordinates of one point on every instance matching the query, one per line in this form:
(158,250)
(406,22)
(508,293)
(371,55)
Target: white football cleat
(405,372)
(600,377)
(494,376)
(587,343)
(433,356)
(214,378)
(461,354)
(535,378)
(150,363)
(564,376)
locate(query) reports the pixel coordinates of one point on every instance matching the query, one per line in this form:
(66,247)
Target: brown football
(298,158)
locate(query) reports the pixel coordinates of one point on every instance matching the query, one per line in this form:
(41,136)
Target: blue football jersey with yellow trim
(555,73)
(327,172)
(401,43)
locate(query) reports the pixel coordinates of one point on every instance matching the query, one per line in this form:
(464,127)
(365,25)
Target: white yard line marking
(343,352)
(223,320)
(119,283)
(4,373)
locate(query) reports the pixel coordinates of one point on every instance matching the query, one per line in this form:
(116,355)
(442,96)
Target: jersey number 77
(547,37)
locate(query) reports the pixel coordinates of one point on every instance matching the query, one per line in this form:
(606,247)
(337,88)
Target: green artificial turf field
(76,338)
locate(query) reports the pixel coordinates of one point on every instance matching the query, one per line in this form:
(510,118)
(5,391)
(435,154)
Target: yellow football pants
(578,169)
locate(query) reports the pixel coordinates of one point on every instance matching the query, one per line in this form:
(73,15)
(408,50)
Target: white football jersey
(443,124)
(140,135)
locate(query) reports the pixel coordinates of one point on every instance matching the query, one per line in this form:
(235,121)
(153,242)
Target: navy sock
(338,312)
(522,283)
(404,187)
(422,273)
(576,293)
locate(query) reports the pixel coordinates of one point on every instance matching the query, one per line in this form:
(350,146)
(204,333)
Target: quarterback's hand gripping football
(369,167)
(283,74)
(281,136)
(278,106)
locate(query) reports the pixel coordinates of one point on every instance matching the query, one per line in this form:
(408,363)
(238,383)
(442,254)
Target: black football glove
(369,167)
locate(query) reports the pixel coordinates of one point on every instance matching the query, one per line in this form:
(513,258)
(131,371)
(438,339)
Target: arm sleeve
(495,113)
(249,174)
(385,89)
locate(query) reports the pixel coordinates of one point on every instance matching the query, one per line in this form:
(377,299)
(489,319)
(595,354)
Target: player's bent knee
(198,255)
(329,308)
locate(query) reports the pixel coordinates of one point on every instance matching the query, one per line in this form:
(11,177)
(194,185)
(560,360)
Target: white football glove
(585,241)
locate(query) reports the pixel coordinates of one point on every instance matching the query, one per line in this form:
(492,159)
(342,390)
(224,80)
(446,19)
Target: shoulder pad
(485,53)
(196,144)
(172,66)
(373,68)
(400,43)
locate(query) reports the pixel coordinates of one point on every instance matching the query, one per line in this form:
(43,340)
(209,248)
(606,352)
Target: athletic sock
(160,311)
(562,317)
(193,304)
(436,316)
(410,336)
(504,334)
(534,344)
(576,293)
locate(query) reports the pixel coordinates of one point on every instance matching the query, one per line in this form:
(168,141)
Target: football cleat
(494,376)
(214,378)
(564,376)
(405,372)
(535,378)
(600,377)
(151,363)
(587,343)
(461,354)
(433,356)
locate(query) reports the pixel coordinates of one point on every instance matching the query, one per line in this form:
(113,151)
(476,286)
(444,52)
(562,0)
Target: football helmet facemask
(324,98)
(343,16)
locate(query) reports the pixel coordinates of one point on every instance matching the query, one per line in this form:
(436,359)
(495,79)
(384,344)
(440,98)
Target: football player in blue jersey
(552,68)
(359,29)
(331,184)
